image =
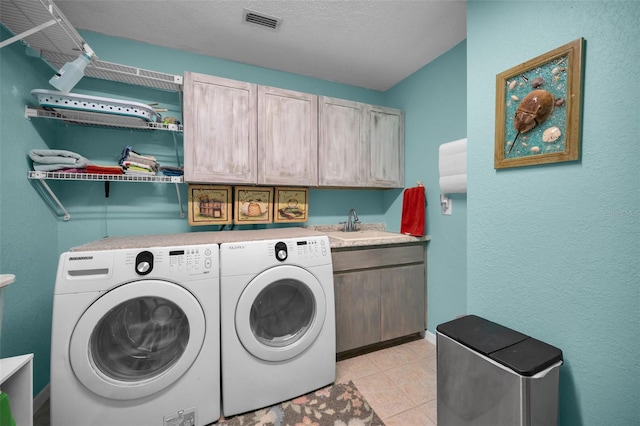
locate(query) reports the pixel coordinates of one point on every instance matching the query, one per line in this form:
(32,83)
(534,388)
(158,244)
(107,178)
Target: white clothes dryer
(135,337)
(277,321)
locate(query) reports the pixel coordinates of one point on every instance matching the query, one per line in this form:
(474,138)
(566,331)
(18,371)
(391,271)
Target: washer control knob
(281,251)
(144,263)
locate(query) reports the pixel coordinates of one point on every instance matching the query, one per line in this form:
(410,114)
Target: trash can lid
(519,352)
(528,357)
(479,334)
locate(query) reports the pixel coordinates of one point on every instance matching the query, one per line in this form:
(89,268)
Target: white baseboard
(41,398)
(430,337)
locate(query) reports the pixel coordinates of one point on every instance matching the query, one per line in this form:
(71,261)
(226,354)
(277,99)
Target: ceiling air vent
(252,17)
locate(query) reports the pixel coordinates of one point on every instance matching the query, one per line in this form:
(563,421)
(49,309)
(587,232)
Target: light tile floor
(398,382)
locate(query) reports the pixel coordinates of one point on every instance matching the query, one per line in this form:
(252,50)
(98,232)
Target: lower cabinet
(380,294)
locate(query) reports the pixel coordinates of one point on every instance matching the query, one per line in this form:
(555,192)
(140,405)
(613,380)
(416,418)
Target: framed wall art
(538,107)
(291,205)
(209,205)
(253,204)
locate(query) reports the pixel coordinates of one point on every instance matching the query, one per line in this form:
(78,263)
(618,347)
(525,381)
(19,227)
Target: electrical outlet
(447,206)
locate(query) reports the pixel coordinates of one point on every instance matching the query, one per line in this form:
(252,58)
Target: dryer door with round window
(137,339)
(280,313)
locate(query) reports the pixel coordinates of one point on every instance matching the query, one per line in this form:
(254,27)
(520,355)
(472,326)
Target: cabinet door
(403,300)
(220,133)
(385,136)
(357,298)
(341,143)
(287,137)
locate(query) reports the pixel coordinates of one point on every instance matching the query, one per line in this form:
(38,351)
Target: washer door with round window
(137,339)
(280,313)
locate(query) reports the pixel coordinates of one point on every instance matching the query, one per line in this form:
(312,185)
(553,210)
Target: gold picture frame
(538,108)
(291,205)
(209,205)
(253,205)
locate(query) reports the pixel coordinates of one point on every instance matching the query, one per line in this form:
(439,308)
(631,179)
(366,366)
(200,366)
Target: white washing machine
(136,337)
(277,321)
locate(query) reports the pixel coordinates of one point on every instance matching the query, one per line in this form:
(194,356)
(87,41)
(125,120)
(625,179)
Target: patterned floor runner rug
(340,404)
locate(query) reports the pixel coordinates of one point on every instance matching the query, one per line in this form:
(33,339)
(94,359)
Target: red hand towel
(413,207)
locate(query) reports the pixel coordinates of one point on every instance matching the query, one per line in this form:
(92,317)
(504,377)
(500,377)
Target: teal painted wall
(553,250)
(28,230)
(435,103)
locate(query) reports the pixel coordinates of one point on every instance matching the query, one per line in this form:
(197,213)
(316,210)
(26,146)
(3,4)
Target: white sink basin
(363,235)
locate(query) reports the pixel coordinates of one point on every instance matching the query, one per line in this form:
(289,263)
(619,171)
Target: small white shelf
(98,119)
(16,379)
(5,280)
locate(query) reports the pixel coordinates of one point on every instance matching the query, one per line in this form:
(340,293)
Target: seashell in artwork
(537,82)
(551,134)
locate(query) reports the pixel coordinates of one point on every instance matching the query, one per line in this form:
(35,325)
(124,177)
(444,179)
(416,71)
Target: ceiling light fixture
(71,72)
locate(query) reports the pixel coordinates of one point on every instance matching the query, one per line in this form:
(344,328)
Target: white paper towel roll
(452,166)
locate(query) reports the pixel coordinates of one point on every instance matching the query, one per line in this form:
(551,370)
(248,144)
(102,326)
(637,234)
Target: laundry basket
(488,374)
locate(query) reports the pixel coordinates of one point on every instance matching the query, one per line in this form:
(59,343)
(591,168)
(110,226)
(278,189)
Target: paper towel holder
(446,204)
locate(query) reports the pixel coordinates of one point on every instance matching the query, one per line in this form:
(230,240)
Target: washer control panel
(175,262)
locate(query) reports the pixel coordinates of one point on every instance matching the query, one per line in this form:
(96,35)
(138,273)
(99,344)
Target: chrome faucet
(352,220)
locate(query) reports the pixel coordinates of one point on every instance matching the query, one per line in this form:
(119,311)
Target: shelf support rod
(67,216)
(179,200)
(28,33)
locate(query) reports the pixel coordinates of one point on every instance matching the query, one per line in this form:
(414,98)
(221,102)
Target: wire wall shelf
(102,177)
(43,27)
(42,177)
(99,119)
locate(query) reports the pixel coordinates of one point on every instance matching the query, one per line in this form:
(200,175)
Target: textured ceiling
(372,44)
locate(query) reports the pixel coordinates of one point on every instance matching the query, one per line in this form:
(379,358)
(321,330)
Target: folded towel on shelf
(104,170)
(48,160)
(135,170)
(413,209)
(136,164)
(172,171)
(129,155)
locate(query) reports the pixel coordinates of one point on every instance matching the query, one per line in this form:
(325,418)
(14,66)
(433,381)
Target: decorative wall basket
(538,108)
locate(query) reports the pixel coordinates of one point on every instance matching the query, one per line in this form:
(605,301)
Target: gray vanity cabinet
(380,293)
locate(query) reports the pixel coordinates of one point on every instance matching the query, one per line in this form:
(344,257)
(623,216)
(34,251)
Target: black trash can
(491,375)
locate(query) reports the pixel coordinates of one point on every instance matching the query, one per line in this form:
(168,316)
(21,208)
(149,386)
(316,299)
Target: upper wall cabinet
(341,145)
(360,145)
(287,137)
(220,132)
(385,136)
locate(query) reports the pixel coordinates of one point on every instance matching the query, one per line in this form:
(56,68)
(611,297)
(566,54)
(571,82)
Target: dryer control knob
(281,251)
(143,267)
